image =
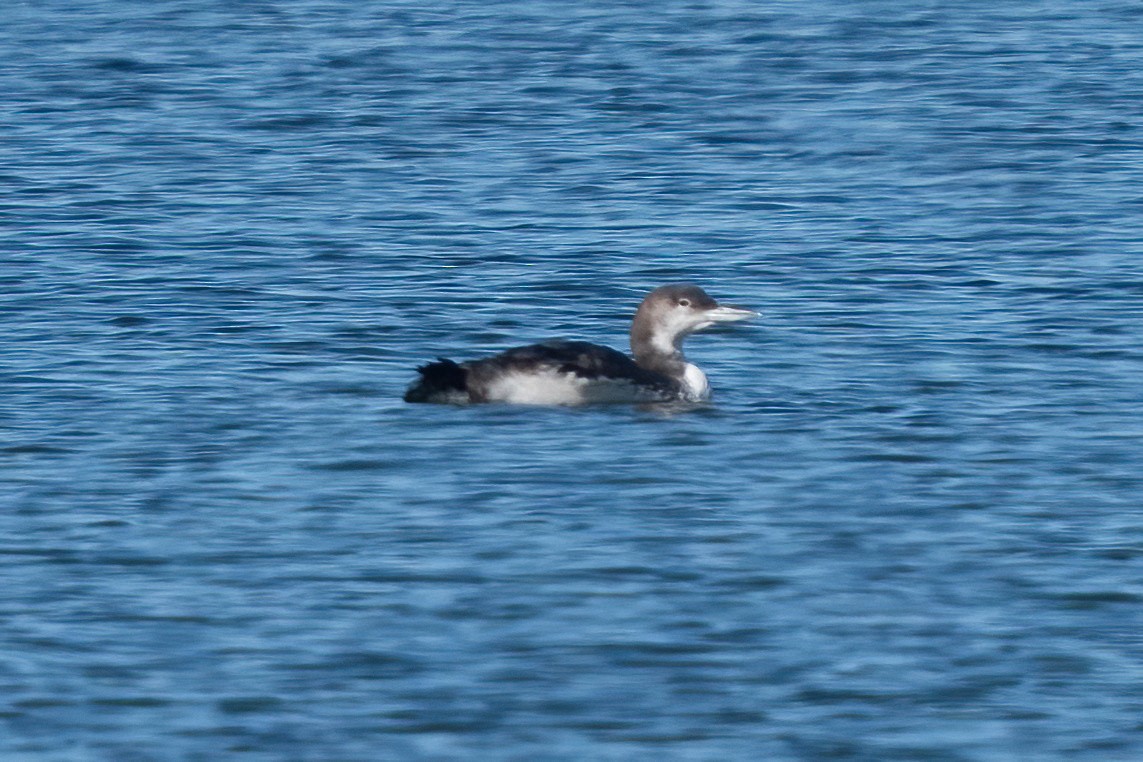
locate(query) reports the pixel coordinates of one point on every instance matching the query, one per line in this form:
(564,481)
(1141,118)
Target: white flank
(554,388)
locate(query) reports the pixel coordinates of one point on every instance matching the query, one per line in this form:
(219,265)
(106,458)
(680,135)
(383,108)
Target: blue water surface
(907,528)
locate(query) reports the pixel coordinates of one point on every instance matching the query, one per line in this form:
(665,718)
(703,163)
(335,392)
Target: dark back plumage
(580,358)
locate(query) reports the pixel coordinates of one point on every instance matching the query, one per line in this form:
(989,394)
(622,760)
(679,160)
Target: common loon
(576,372)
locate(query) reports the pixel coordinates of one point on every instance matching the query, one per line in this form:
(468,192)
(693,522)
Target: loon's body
(577,372)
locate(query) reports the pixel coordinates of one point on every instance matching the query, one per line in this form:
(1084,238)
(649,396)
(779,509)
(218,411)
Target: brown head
(671,313)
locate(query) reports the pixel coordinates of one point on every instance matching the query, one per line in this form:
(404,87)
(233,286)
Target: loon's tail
(440,381)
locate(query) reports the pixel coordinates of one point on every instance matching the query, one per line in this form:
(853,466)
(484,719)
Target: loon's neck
(656,351)
(669,364)
(667,359)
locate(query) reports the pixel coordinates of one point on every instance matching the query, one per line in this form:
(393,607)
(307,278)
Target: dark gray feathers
(440,381)
(448,381)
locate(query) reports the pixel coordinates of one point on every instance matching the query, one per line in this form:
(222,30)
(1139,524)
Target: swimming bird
(577,372)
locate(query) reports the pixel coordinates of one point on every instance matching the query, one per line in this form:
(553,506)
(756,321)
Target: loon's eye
(684,302)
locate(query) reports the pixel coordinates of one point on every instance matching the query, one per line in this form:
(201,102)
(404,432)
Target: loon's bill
(577,372)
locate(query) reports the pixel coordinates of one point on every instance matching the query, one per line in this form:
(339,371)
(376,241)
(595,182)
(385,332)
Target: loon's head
(671,313)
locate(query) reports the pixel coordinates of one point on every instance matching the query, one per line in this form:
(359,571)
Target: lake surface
(908,527)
